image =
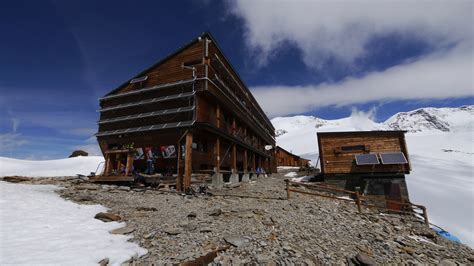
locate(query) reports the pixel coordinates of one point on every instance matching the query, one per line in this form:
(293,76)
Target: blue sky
(59,57)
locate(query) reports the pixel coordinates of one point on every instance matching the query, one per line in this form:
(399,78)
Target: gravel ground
(254,223)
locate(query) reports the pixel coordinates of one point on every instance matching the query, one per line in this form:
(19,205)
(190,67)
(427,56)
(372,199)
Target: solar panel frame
(387,158)
(367,159)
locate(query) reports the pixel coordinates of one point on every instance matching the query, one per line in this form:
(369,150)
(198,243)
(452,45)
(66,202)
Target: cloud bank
(438,76)
(341,30)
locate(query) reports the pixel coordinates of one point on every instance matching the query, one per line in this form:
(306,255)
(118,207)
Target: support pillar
(188,161)
(246,176)
(234,176)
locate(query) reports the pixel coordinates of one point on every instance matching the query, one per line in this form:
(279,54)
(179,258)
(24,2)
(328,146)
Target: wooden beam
(234,157)
(188,160)
(218,116)
(128,167)
(245,161)
(179,178)
(108,164)
(253,162)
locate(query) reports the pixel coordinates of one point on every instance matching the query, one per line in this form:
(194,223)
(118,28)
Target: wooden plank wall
(344,163)
(171,70)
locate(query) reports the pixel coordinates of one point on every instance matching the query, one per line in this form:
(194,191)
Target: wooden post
(287,188)
(425,215)
(234,157)
(218,116)
(118,163)
(179,178)
(218,155)
(358,202)
(253,162)
(107,165)
(188,161)
(128,167)
(245,161)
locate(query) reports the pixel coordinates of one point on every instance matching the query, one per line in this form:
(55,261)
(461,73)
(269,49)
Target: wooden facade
(189,113)
(385,183)
(286,158)
(337,151)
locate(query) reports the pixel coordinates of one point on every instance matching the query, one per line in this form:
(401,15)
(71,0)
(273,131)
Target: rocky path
(254,223)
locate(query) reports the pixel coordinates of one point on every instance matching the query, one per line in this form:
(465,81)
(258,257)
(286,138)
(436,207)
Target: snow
(301,179)
(39,227)
(441,146)
(50,168)
(291,174)
(288,168)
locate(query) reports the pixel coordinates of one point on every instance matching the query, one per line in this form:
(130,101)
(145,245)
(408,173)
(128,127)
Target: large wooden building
(374,162)
(189,113)
(286,158)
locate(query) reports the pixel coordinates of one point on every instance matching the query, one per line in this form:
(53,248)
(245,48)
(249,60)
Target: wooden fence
(354,196)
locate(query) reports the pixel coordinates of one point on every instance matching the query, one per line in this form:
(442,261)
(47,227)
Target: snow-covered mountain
(433,119)
(441,146)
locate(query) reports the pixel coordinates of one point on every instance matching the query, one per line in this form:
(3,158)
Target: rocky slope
(255,223)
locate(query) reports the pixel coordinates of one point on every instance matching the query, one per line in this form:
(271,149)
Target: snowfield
(39,227)
(50,168)
(441,146)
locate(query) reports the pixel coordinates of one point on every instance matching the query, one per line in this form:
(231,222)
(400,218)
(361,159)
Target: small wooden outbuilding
(286,158)
(372,162)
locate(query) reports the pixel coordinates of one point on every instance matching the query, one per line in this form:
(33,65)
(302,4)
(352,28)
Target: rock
(77,153)
(122,231)
(365,259)
(150,235)
(172,231)
(408,250)
(104,262)
(87,187)
(15,179)
(205,230)
(446,262)
(124,188)
(84,198)
(192,215)
(147,209)
(216,212)
(236,241)
(107,217)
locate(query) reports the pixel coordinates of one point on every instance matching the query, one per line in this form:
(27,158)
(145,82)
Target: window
(352,148)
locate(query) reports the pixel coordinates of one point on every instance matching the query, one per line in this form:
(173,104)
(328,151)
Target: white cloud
(438,76)
(10,141)
(341,29)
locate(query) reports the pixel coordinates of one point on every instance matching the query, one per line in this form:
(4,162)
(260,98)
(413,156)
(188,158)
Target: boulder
(122,231)
(107,217)
(77,153)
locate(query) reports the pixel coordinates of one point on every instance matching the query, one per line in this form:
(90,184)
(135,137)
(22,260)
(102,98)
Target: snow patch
(83,165)
(39,227)
(291,174)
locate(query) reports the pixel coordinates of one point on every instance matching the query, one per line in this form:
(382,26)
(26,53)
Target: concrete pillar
(234,177)
(217,179)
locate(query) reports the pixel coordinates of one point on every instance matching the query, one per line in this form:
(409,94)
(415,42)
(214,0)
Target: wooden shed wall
(333,162)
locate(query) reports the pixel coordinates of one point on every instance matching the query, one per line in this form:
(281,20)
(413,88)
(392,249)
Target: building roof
(201,36)
(368,132)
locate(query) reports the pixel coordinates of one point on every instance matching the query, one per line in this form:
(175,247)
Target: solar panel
(366,159)
(393,158)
